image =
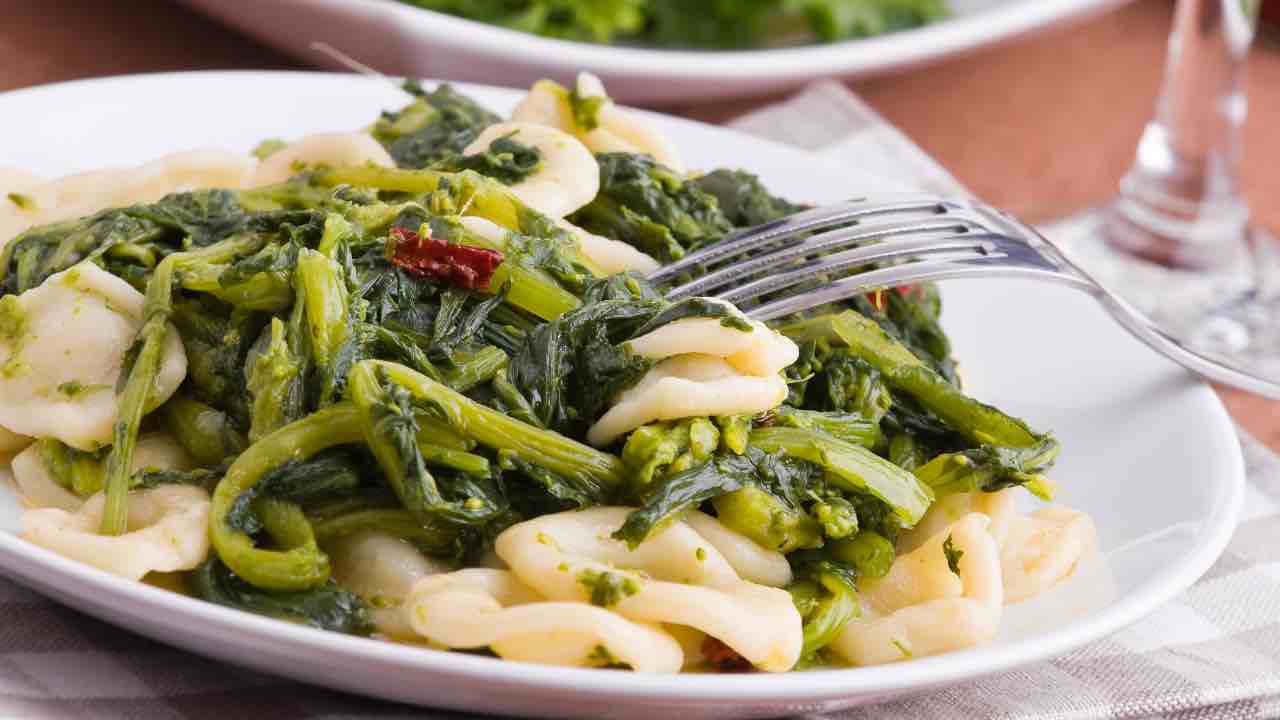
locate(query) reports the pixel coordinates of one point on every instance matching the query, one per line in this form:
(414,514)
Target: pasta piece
(568,178)
(687,386)
(1043,549)
(381,568)
(752,561)
(178,172)
(36,485)
(1000,506)
(1037,551)
(332,149)
(611,256)
(85,193)
(64,345)
(160,451)
(168,531)
(479,607)
(760,351)
(616,130)
(38,488)
(921,607)
(682,579)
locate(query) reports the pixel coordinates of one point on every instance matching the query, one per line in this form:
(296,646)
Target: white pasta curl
(674,577)
(85,193)
(687,386)
(568,177)
(63,353)
(923,608)
(752,561)
(332,149)
(617,130)
(1037,550)
(999,506)
(168,530)
(481,607)
(381,568)
(38,488)
(1044,548)
(36,485)
(611,256)
(760,351)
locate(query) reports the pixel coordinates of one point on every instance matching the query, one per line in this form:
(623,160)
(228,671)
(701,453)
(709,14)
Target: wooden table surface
(1043,125)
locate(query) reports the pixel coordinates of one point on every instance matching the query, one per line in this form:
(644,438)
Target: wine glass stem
(1179,204)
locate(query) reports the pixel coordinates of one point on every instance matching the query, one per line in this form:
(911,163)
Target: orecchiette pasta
(611,256)
(86,193)
(921,607)
(752,561)
(1037,550)
(687,386)
(759,351)
(168,531)
(999,506)
(616,130)
(673,577)
(480,607)
(568,177)
(1044,548)
(382,569)
(50,385)
(36,484)
(333,149)
(709,369)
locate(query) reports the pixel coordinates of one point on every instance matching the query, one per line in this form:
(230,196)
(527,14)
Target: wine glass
(1177,240)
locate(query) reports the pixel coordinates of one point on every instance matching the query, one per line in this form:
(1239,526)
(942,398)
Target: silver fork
(920,238)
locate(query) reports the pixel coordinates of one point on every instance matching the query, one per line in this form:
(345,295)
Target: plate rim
(35,565)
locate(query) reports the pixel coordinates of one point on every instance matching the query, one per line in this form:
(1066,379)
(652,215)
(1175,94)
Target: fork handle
(1198,362)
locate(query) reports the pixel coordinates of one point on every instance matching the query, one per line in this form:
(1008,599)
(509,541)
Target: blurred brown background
(1043,125)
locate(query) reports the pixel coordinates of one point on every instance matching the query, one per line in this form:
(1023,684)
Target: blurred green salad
(711,24)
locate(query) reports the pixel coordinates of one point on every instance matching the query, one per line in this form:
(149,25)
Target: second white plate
(405,40)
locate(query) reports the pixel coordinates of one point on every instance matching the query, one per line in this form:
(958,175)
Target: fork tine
(996,264)
(783,229)
(963,246)
(830,241)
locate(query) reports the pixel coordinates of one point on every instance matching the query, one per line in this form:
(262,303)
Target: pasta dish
(411,382)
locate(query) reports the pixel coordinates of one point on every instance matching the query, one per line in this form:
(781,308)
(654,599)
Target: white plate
(405,40)
(1149,452)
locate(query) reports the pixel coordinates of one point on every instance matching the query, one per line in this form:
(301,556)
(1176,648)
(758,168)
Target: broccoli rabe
(743,198)
(651,208)
(327,607)
(681,24)
(436,126)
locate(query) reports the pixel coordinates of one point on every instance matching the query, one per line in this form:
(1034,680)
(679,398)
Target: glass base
(1230,309)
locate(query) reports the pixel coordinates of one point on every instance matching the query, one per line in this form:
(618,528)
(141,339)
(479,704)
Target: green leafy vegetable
(953,555)
(506,160)
(712,24)
(743,199)
(327,607)
(438,125)
(651,208)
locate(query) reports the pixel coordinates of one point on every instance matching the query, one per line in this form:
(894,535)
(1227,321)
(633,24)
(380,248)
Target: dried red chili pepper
(462,265)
